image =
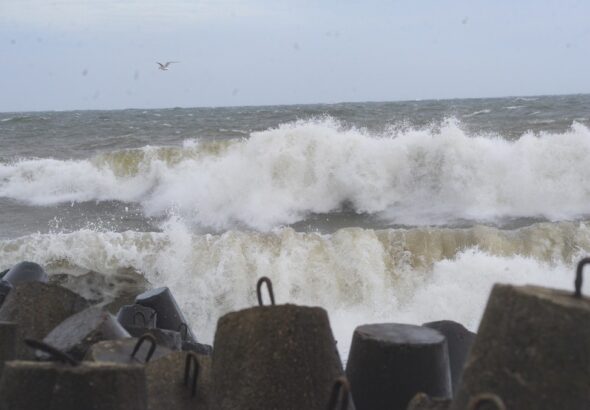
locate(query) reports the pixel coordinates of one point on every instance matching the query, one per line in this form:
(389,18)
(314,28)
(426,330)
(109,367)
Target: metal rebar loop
(191,358)
(340,390)
(266,280)
(152,340)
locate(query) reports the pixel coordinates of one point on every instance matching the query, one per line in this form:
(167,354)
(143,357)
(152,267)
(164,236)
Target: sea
(403,212)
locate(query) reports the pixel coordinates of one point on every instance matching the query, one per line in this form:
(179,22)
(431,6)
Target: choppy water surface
(403,212)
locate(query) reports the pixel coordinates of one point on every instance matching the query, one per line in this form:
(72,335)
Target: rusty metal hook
(341,389)
(54,352)
(578,281)
(266,280)
(183,335)
(476,401)
(191,358)
(152,340)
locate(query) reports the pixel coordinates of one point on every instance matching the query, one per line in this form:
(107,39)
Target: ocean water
(402,212)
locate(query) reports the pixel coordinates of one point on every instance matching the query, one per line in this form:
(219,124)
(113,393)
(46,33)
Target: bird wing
(162,65)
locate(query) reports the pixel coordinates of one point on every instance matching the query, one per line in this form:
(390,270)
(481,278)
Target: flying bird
(164,66)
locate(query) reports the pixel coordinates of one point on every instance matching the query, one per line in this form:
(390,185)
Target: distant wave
(23,118)
(281,175)
(404,275)
(473,114)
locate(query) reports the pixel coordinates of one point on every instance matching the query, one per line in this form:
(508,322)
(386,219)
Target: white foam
(359,276)
(279,176)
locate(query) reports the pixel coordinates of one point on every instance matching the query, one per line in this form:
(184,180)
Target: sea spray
(280,176)
(358,275)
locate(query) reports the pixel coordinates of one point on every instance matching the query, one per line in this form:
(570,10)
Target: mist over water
(405,212)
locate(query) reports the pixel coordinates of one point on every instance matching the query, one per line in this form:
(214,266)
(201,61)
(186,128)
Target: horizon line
(299,104)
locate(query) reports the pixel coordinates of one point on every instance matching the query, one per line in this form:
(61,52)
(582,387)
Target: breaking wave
(358,275)
(282,175)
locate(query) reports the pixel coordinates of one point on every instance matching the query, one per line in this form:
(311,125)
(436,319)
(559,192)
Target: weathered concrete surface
(137,316)
(7,343)
(80,331)
(196,347)
(390,363)
(119,351)
(24,272)
(55,386)
(459,342)
(532,350)
(37,308)
(421,401)
(166,388)
(167,338)
(170,316)
(274,357)
(5,288)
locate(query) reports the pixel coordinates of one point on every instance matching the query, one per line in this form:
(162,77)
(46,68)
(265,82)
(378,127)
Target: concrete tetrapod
(421,401)
(137,316)
(274,357)
(37,308)
(532,349)
(459,342)
(390,363)
(341,398)
(127,351)
(7,343)
(5,288)
(80,331)
(26,272)
(70,385)
(180,381)
(170,316)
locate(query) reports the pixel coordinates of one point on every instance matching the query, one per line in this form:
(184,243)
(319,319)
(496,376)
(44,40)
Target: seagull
(164,67)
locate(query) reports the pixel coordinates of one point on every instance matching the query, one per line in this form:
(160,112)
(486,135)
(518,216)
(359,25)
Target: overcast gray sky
(85,54)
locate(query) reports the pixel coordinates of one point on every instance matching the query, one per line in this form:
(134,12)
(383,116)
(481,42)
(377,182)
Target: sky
(102,54)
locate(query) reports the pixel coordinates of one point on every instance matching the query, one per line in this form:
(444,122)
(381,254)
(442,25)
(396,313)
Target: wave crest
(280,176)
